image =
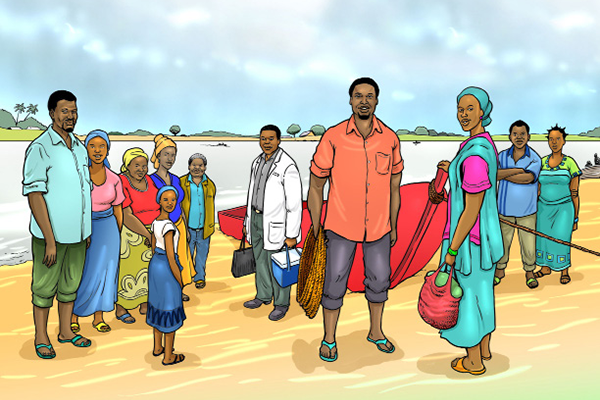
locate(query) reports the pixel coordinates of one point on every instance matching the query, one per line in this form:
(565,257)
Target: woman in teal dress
(472,241)
(558,207)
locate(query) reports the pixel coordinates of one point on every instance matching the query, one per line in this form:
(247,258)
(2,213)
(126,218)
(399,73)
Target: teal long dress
(556,213)
(475,263)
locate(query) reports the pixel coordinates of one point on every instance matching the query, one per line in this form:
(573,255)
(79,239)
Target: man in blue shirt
(57,182)
(519,168)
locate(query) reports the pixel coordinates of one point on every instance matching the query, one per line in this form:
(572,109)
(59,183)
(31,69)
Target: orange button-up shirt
(360,171)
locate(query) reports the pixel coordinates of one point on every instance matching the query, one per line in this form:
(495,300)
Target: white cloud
(129,53)
(400,95)
(482,53)
(98,49)
(455,39)
(268,72)
(334,69)
(513,58)
(574,88)
(572,21)
(185,18)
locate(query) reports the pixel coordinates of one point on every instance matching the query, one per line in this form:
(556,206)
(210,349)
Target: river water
(229,167)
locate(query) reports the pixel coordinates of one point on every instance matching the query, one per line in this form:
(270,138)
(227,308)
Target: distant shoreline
(29,135)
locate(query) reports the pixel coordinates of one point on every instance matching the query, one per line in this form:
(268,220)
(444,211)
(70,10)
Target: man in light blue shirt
(57,183)
(519,168)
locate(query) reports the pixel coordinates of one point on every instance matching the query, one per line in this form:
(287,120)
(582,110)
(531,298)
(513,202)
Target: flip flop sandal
(382,342)
(497,280)
(44,356)
(200,285)
(102,327)
(540,274)
(123,317)
(83,343)
(75,327)
(178,358)
(564,279)
(459,367)
(331,346)
(185,297)
(532,283)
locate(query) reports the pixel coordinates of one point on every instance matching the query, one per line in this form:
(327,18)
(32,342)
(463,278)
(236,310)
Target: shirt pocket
(382,163)
(276,231)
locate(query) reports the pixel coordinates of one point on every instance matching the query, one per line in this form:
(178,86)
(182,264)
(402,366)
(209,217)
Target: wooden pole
(549,238)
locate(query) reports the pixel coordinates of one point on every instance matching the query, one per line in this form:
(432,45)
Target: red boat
(420,228)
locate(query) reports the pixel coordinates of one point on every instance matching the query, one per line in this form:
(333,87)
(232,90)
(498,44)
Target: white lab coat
(282,211)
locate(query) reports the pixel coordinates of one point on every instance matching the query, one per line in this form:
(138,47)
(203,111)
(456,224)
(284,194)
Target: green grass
(19,135)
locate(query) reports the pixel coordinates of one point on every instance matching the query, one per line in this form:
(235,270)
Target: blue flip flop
(331,346)
(83,343)
(44,356)
(124,316)
(383,342)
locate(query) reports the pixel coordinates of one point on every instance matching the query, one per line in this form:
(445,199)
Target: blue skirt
(98,288)
(165,307)
(476,310)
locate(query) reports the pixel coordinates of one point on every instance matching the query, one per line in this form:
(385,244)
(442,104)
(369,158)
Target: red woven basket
(437,307)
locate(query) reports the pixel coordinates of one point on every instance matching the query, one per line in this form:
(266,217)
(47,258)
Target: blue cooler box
(285,266)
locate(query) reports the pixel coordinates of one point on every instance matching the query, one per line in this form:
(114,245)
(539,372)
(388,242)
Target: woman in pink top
(97,292)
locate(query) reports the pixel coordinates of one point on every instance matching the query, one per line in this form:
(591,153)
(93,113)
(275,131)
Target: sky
(236,65)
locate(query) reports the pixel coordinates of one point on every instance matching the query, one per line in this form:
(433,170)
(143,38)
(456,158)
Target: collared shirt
(62,176)
(518,199)
(262,173)
(197,212)
(359,171)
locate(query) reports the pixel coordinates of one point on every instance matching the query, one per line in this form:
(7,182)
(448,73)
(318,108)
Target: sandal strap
(330,345)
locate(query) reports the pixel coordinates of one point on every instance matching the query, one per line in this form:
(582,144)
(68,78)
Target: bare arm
(521,178)
(504,173)
(39,209)
(170,250)
(315,201)
(574,186)
(118,211)
(473,202)
(394,206)
(132,222)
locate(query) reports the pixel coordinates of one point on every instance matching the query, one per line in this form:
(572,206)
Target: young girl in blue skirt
(165,307)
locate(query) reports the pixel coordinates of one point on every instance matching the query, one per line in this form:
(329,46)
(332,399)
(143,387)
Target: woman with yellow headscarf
(165,153)
(139,210)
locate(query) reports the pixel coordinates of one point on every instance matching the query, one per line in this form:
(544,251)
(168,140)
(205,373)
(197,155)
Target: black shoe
(278,313)
(255,303)
(185,297)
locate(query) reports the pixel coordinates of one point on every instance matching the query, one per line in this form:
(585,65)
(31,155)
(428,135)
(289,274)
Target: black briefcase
(243,261)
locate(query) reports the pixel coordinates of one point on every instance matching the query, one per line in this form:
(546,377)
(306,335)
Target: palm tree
(31,110)
(19,108)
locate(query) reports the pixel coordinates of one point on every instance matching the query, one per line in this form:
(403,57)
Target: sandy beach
(544,347)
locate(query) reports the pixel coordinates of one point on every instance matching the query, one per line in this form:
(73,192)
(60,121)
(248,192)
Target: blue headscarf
(166,188)
(484,102)
(103,135)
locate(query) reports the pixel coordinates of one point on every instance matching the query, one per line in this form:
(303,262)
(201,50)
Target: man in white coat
(273,216)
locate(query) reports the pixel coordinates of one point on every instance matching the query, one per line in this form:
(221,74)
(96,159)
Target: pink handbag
(437,306)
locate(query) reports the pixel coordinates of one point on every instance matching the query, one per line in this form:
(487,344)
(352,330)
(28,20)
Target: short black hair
(58,96)
(271,127)
(558,128)
(518,123)
(360,81)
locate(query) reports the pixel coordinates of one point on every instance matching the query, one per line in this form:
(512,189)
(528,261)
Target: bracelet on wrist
(576,220)
(452,252)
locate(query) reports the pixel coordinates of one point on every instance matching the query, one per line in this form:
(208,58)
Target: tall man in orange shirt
(361,158)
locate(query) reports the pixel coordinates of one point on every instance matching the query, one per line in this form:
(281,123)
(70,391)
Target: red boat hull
(414,209)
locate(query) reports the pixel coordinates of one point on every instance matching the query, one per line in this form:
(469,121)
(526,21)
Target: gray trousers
(526,240)
(340,256)
(267,287)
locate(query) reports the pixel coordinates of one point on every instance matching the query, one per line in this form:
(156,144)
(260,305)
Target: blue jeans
(200,246)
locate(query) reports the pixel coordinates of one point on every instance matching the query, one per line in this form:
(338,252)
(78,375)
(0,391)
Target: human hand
(50,253)
(244,232)
(450,259)
(316,230)
(444,165)
(147,242)
(291,242)
(88,241)
(393,237)
(575,226)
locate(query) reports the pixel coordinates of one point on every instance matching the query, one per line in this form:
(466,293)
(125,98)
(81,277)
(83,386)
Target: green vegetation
(318,130)
(175,129)
(293,130)
(19,135)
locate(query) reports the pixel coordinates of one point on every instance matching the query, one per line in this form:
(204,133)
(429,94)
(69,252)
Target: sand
(544,347)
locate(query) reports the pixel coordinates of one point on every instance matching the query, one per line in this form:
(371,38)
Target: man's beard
(364,117)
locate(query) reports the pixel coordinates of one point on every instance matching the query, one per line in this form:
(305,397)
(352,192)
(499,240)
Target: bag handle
(450,275)
(243,242)
(287,256)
